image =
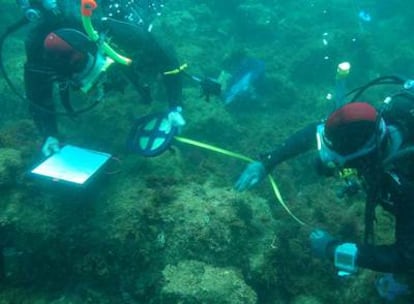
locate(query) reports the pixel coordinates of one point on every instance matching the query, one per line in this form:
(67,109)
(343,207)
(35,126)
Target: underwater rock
(256,21)
(10,164)
(302,299)
(208,223)
(196,282)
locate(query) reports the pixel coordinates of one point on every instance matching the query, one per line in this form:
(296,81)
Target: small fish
(243,80)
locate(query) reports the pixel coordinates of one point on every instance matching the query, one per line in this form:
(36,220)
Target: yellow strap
(247,159)
(282,202)
(212,148)
(177,70)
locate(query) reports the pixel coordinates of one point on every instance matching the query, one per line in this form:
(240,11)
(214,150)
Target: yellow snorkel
(87,8)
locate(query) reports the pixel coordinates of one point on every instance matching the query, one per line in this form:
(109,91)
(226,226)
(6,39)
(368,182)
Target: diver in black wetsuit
(59,51)
(380,146)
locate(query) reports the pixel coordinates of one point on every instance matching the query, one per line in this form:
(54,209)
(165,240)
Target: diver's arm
(38,81)
(167,61)
(173,86)
(398,257)
(147,54)
(381,258)
(163,61)
(39,92)
(298,143)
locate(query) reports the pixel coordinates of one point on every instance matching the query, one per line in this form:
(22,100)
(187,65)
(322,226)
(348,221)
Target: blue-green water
(171,229)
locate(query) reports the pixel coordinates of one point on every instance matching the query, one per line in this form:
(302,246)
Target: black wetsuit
(131,39)
(395,193)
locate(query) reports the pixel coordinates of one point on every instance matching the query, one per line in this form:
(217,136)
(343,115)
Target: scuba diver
(379,145)
(61,51)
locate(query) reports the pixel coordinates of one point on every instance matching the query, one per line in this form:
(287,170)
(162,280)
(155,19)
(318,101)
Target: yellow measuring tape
(244,158)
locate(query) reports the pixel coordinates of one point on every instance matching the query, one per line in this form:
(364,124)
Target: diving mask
(93,72)
(333,159)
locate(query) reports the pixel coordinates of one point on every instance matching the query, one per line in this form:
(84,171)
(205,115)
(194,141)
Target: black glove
(209,87)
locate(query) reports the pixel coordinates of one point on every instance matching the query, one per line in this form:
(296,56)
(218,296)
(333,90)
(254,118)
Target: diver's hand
(175,118)
(209,87)
(50,146)
(252,174)
(321,241)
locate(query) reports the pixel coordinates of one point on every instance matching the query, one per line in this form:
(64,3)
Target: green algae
(171,229)
(197,282)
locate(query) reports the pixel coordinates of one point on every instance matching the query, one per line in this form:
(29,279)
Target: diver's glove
(50,146)
(175,118)
(209,87)
(252,174)
(322,243)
